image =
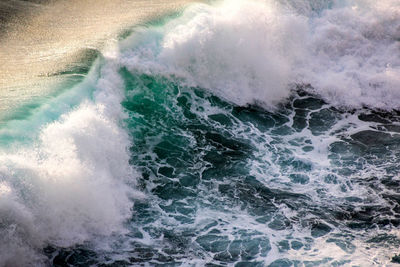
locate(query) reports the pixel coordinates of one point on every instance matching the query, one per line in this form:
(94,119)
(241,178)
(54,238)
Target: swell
(40,40)
(57,185)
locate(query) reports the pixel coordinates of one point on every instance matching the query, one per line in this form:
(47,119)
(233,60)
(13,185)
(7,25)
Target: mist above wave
(354,54)
(253,52)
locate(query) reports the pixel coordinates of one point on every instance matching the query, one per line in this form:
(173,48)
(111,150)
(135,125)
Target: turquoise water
(186,147)
(240,185)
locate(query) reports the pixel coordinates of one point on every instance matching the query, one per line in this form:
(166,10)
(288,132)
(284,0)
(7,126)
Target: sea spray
(241,140)
(254,52)
(71,184)
(241,51)
(354,50)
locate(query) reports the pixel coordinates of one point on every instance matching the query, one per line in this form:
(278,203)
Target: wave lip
(353,59)
(253,52)
(241,51)
(66,188)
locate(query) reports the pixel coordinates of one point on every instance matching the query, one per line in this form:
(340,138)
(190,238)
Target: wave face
(45,42)
(243,133)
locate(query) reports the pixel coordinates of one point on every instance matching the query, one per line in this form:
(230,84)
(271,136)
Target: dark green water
(240,185)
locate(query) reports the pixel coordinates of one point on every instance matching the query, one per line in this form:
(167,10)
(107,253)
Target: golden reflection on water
(51,37)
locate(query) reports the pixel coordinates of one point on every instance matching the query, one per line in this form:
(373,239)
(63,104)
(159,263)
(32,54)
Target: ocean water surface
(235,133)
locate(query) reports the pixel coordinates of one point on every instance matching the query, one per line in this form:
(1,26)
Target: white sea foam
(355,54)
(254,51)
(242,51)
(71,184)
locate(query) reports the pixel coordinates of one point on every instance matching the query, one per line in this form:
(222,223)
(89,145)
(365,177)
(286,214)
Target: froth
(71,184)
(354,52)
(242,51)
(253,52)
